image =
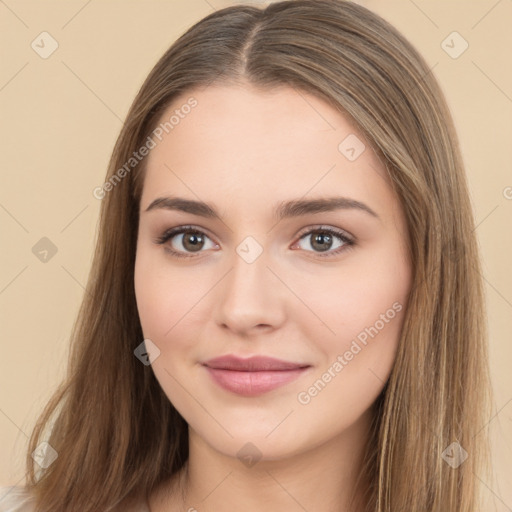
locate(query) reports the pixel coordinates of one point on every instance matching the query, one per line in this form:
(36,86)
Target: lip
(254,375)
(252,364)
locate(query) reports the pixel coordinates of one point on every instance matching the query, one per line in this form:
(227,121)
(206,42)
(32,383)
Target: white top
(18,499)
(15,499)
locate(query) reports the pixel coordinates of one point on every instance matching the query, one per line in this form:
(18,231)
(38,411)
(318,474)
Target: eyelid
(324,227)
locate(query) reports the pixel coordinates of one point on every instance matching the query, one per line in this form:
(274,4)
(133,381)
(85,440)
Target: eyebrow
(285,209)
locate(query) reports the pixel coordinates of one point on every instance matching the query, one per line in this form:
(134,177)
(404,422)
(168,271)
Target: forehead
(245,118)
(256,144)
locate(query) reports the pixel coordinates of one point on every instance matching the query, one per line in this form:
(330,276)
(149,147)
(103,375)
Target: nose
(251,297)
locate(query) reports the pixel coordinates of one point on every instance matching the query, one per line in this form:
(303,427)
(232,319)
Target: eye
(321,240)
(192,240)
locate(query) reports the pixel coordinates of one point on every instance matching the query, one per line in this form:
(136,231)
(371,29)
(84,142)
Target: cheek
(167,299)
(362,311)
(156,306)
(358,358)
(148,294)
(358,298)
(165,315)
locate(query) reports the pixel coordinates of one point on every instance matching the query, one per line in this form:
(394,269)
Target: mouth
(253,376)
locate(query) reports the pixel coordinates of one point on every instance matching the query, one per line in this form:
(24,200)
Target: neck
(323,479)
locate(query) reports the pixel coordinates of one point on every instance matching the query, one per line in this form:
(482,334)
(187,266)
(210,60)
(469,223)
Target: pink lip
(252,376)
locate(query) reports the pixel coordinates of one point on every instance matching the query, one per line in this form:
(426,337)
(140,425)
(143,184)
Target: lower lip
(253,383)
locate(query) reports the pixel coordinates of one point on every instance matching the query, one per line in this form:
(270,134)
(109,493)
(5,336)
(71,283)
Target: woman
(325,349)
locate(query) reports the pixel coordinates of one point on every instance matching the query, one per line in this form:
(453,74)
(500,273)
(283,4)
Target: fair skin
(243,151)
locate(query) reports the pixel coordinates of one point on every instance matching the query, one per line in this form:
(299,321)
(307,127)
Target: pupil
(193,239)
(321,239)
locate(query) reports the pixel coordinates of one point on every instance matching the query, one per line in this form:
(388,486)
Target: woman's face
(256,274)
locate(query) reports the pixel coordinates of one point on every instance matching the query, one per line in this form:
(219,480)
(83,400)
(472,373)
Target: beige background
(61,116)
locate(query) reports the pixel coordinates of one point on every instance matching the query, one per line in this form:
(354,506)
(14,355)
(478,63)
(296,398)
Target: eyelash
(170,233)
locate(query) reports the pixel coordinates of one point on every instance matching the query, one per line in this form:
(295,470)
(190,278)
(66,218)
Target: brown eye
(183,241)
(192,241)
(323,239)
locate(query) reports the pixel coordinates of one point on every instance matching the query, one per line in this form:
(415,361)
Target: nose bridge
(250,293)
(249,270)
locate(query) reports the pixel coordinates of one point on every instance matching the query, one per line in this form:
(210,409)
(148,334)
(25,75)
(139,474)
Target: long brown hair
(117,435)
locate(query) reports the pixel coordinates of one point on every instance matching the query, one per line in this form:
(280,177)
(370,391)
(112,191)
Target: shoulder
(15,499)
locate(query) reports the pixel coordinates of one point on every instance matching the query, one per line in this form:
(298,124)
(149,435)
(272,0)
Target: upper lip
(252,364)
